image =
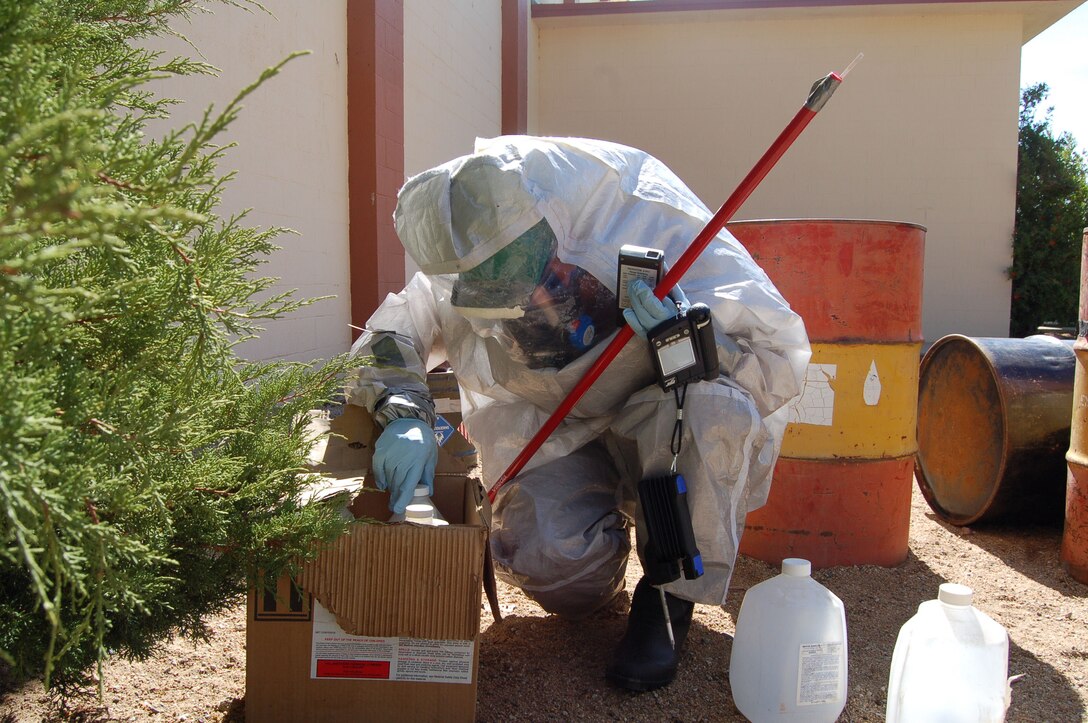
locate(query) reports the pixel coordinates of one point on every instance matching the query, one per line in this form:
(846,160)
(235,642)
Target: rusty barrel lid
(993,427)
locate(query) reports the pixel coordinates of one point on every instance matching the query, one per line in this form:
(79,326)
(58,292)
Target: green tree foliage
(145,468)
(1051,213)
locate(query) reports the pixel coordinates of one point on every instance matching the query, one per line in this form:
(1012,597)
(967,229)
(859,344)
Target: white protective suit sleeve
(394,384)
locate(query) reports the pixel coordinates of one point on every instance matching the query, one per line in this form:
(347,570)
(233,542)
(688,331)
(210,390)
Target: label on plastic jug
(819,677)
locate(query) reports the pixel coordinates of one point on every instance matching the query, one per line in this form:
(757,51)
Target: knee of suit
(557,533)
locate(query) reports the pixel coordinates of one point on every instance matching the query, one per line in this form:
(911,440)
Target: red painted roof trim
(570,9)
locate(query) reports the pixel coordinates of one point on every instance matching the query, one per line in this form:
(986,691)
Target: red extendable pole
(818,96)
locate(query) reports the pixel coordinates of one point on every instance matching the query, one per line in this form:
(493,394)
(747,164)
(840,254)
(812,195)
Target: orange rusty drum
(842,486)
(993,427)
(1075,534)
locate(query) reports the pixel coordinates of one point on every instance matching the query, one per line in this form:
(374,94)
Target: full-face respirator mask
(546,313)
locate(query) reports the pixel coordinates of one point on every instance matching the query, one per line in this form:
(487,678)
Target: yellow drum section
(859,402)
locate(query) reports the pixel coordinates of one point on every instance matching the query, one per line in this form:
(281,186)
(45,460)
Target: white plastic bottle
(951,663)
(419,514)
(789,651)
(421,496)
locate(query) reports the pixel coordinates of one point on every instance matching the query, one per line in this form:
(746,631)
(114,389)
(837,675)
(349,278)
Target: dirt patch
(537,667)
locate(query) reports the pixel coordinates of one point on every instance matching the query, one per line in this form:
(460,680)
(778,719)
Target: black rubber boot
(644,659)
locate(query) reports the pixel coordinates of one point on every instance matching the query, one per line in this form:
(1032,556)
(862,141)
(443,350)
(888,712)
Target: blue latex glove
(404,456)
(646,310)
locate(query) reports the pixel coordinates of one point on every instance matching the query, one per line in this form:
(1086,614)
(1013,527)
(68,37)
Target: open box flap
(402,580)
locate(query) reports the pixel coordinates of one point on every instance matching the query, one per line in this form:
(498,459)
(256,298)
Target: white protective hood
(455,215)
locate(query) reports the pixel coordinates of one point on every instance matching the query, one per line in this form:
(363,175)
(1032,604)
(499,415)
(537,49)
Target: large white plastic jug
(789,652)
(951,663)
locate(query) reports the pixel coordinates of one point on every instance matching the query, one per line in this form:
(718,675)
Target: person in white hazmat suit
(518,245)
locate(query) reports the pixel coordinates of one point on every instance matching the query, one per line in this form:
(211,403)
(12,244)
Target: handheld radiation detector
(636,262)
(684,348)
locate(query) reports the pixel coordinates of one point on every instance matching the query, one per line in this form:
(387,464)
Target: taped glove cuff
(404,404)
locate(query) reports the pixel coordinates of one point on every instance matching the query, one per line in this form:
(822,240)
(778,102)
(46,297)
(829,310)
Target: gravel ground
(534,667)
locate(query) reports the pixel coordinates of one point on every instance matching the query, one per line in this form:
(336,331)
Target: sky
(1057,57)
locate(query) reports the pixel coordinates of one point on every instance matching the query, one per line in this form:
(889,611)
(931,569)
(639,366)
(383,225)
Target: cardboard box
(384,624)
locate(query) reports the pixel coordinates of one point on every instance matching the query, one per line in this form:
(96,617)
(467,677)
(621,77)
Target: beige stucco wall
(924,130)
(452,81)
(292,154)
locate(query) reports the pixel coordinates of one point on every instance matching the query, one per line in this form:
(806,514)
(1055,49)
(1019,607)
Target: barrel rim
(837,221)
(919,468)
